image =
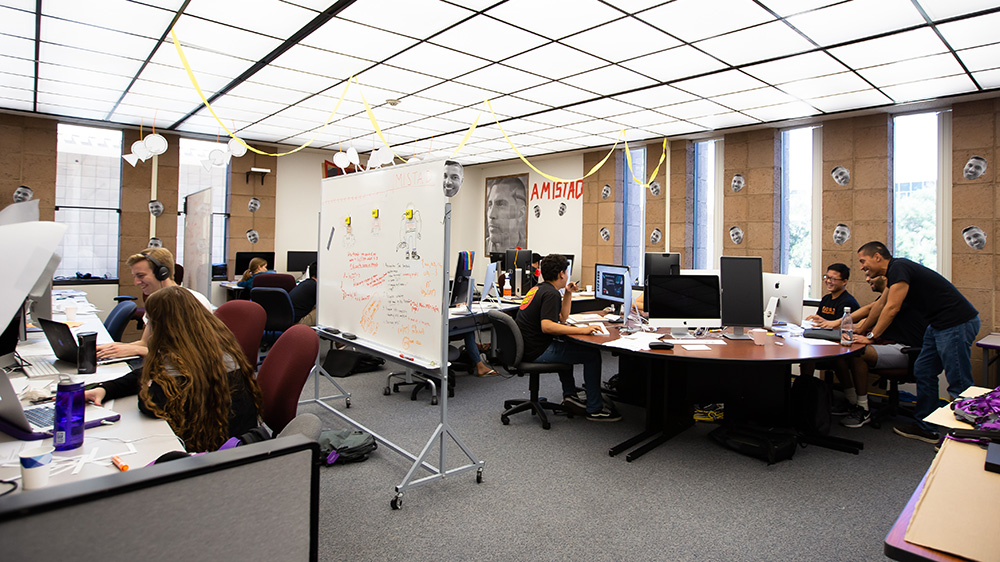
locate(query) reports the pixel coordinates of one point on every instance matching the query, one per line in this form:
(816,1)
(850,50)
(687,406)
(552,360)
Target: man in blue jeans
(953,324)
(540,318)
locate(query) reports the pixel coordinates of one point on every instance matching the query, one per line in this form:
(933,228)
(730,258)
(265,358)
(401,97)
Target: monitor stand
(680,334)
(738,334)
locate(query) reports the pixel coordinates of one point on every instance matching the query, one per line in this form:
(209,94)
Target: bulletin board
(383,265)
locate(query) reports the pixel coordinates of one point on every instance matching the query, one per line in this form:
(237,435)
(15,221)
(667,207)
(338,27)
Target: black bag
(346,445)
(811,399)
(346,362)
(760,443)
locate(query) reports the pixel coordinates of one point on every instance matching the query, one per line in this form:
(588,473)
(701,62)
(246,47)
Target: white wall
(297,198)
(547,234)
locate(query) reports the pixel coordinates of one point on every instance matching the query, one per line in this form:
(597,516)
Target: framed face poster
(506,212)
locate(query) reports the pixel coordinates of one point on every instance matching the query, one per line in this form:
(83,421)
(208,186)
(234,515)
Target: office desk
(234,291)
(989,342)
(753,379)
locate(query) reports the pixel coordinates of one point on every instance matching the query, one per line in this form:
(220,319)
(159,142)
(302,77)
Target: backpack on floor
(760,443)
(346,445)
(346,362)
(811,400)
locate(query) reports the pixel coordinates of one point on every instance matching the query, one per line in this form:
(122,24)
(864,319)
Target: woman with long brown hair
(195,376)
(256,267)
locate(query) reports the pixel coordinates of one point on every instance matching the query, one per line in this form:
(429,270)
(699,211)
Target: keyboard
(41,417)
(40,367)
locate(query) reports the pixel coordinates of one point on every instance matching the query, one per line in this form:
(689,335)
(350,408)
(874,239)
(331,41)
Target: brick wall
(599,213)
(28,157)
(757,207)
(682,200)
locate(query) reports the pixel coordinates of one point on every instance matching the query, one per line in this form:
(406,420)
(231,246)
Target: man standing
(952,327)
(152,269)
(506,209)
(540,319)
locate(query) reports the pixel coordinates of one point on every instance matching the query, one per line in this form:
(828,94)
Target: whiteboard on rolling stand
(382,262)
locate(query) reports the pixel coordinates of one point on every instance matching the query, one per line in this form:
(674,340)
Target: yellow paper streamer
(204,100)
(628,158)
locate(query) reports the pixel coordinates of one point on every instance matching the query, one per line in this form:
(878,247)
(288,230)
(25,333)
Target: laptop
(35,422)
(64,343)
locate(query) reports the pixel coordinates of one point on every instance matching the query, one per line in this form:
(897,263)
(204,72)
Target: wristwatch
(870,335)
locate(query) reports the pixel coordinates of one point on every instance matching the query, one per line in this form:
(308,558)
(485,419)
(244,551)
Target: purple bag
(982,412)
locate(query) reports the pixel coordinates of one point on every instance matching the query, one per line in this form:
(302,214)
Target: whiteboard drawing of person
(349,239)
(409,233)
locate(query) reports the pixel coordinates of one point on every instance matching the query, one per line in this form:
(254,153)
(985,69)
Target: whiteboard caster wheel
(479,476)
(505,420)
(386,391)
(347,402)
(434,401)
(397,502)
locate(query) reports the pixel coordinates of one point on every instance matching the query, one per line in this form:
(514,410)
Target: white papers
(814,341)
(634,342)
(690,341)
(697,347)
(579,318)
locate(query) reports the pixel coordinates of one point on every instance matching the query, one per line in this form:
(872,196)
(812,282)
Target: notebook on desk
(64,344)
(35,422)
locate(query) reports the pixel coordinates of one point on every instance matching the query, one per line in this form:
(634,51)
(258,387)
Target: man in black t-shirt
(304,298)
(953,324)
(540,318)
(831,308)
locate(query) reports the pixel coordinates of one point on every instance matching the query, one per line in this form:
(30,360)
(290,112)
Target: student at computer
(195,376)
(257,266)
(304,298)
(540,319)
(152,269)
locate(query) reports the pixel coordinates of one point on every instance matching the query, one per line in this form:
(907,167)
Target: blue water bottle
(67,432)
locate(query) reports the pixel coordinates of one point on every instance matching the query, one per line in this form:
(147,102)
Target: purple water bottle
(67,432)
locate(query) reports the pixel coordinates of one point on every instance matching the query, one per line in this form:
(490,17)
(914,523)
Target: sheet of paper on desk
(813,341)
(696,347)
(701,342)
(634,342)
(578,318)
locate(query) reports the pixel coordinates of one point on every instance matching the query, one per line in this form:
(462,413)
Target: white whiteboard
(198,241)
(384,278)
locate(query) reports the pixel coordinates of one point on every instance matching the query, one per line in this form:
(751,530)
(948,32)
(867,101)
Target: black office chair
(137,314)
(509,348)
(890,379)
(118,318)
(278,306)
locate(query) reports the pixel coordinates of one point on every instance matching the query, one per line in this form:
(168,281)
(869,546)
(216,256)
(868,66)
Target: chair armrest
(121,298)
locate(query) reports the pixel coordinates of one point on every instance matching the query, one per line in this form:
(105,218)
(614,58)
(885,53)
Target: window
(915,190)
(707,203)
(88,200)
(197,173)
(633,245)
(798,164)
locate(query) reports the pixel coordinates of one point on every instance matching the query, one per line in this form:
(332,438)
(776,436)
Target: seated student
(540,319)
(906,329)
(152,270)
(472,351)
(257,266)
(831,307)
(195,376)
(304,298)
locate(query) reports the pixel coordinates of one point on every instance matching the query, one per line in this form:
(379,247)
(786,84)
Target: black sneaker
(856,418)
(575,405)
(604,415)
(914,431)
(841,408)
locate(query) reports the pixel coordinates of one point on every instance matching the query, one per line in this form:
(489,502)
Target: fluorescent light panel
(941,9)
(892,48)
(929,89)
(397,78)
(554,19)
(213,36)
(981,58)
(798,67)
(269,17)
(323,63)
(909,71)
(825,85)
(656,97)
(791,7)
(602,41)
(555,94)
(762,42)
(851,100)
(675,63)
(555,61)
(753,98)
(857,19)
(414,18)
(489,38)
(362,41)
(436,61)
(609,80)
(83,36)
(691,20)
(720,83)
(971,32)
(501,78)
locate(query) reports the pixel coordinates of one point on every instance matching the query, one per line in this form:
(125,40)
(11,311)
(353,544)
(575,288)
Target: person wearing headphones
(152,269)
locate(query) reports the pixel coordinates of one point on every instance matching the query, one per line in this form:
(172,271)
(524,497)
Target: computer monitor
(40,296)
(680,302)
(519,259)
(658,263)
(243,260)
(461,287)
(297,261)
(782,298)
(742,294)
(499,258)
(9,339)
(612,283)
(489,283)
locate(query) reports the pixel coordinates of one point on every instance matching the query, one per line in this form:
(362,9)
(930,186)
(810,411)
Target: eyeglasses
(828,278)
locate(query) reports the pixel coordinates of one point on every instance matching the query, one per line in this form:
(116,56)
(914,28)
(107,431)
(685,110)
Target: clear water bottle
(846,328)
(67,432)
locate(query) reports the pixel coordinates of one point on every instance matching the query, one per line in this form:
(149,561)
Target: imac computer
(490,285)
(782,299)
(680,302)
(612,283)
(519,260)
(243,261)
(298,261)
(742,294)
(461,287)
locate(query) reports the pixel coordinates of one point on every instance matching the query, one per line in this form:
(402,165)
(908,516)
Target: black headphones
(160,271)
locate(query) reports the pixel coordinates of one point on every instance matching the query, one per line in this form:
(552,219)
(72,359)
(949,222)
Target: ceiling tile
(604,107)
(19,23)
(277,19)
(204,64)
(790,7)
(78,75)
(75,102)
(856,19)
(358,40)
(758,43)
(437,61)
(780,112)
(439,124)
(981,58)
(552,17)
(425,106)
(501,78)
(20,81)
(321,62)
(798,67)
(144,116)
(596,127)
(671,64)
(656,96)
(415,18)
(292,79)
(502,40)
(941,9)
(929,89)
(971,32)
(456,93)
(640,119)
(724,120)
(892,48)
(87,60)
(675,128)
(719,83)
(689,20)
(826,85)
(395,78)
(70,109)
(988,78)
(697,108)
(213,36)
(233,103)
(609,80)
(753,98)
(912,70)
(386,115)
(555,61)
(642,40)
(555,94)
(81,36)
(154,104)
(558,118)
(513,105)
(17,47)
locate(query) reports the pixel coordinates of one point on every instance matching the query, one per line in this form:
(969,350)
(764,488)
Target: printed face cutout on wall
(605,191)
(974,236)
(155,242)
(538,211)
(655,236)
(253,205)
(605,234)
(655,189)
(252,236)
(155,208)
(841,175)
(23,193)
(562,209)
(974,167)
(841,233)
(738,183)
(736,233)
(454,175)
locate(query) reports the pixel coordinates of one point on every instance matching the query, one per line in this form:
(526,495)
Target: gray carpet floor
(557,495)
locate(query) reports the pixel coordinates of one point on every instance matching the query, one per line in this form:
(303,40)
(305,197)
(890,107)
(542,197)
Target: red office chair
(245,319)
(284,373)
(280,280)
